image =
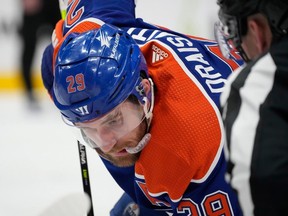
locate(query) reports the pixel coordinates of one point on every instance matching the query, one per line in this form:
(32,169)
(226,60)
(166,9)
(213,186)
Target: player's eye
(116,120)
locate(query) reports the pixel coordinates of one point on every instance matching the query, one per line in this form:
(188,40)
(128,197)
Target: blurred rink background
(39,161)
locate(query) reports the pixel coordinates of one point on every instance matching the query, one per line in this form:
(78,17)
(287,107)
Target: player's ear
(146,86)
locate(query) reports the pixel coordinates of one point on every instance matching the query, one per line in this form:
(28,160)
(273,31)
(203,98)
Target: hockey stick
(63,6)
(85,174)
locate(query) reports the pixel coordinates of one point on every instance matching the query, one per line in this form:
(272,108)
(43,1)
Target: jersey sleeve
(47,68)
(116,12)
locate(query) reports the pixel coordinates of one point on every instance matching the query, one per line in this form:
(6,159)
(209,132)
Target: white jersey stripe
(242,145)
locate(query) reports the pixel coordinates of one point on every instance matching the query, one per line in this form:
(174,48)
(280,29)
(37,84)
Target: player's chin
(124,161)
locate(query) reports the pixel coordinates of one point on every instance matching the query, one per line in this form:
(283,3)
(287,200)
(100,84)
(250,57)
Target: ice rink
(39,161)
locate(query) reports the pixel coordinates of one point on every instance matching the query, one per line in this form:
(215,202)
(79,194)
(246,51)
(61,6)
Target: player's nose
(108,140)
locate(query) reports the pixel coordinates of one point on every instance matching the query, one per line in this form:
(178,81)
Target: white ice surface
(39,161)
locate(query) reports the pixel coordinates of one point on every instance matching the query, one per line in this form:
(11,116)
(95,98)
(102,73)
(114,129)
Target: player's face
(121,128)
(118,155)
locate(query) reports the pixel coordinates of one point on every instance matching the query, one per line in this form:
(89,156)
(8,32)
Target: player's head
(243,18)
(99,81)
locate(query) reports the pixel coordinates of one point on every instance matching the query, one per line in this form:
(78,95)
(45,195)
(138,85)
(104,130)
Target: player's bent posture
(146,99)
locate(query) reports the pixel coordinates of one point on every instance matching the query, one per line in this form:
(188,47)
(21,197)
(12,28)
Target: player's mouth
(121,153)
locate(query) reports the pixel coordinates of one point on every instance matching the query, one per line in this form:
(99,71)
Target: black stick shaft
(85,174)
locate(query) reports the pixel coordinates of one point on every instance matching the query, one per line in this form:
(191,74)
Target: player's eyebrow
(111,116)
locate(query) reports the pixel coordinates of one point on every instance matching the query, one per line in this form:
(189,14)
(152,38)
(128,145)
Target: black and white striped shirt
(255,114)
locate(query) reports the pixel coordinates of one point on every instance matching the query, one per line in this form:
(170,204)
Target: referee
(255,103)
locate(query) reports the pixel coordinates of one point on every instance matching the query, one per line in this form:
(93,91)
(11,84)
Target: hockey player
(146,99)
(255,103)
